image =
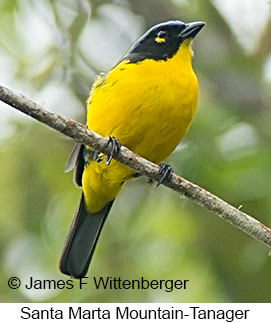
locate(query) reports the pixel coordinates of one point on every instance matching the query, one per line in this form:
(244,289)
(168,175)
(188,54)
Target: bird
(146,102)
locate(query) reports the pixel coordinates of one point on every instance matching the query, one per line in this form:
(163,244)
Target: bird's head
(162,41)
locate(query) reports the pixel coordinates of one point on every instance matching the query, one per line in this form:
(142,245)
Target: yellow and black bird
(147,102)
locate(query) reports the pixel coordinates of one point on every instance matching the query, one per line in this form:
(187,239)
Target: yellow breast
(147,106)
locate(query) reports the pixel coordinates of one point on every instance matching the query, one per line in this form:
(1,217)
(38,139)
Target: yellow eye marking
(160,40)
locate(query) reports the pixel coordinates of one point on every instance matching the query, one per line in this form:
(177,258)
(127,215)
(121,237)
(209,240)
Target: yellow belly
(148,107)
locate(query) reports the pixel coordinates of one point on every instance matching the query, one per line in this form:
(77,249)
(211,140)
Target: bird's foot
(165,174)
(115,148)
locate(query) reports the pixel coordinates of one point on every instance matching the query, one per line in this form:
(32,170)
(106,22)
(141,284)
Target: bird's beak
(191,29)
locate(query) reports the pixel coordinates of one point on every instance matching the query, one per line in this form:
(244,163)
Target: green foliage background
(51,52)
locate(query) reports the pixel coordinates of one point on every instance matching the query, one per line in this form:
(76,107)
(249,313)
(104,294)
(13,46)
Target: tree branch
(81,134)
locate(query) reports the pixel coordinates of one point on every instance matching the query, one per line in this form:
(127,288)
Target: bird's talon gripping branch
(115,148)
(165,173)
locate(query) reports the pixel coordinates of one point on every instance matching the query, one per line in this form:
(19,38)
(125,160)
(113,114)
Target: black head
(162,41)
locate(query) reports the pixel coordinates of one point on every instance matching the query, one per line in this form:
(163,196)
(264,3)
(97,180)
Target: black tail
(82,239)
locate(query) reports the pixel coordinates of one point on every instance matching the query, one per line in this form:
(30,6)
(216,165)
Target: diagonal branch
(140,165)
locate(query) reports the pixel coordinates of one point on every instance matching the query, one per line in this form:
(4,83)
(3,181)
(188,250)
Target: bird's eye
(161,36)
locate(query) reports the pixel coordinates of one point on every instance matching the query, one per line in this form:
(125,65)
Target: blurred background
(51,52)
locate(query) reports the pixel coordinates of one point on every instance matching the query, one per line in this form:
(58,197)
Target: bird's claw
(165,174)
(115,148)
